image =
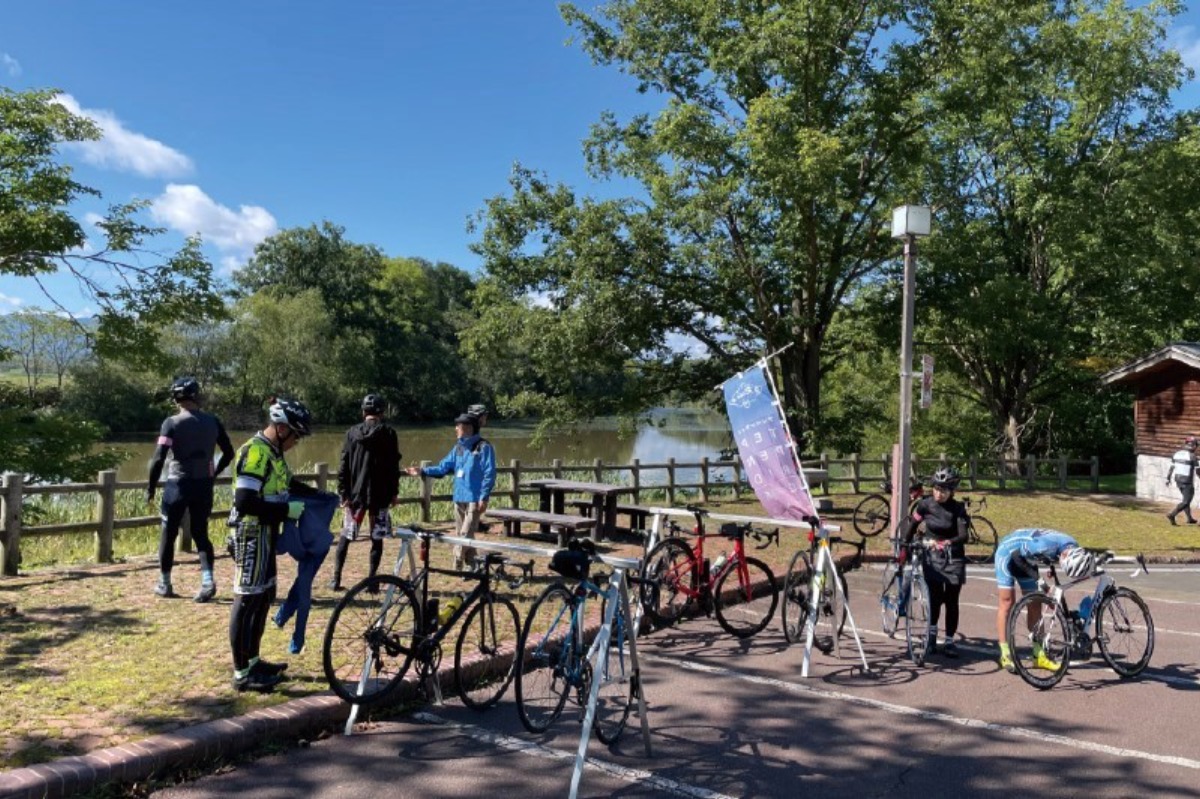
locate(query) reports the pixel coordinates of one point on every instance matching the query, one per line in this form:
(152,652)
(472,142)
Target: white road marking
(534,749)
(904,710)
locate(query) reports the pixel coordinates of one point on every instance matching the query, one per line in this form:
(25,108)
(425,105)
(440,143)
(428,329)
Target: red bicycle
(676,577)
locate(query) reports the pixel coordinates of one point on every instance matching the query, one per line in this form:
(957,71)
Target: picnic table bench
(639,515)
(562,525)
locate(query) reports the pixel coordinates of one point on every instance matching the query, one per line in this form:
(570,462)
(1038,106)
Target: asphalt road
(735,719)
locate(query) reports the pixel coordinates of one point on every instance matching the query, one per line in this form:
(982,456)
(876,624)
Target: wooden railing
(713,476)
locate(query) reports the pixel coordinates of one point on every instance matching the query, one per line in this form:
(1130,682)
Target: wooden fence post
(973,472)
(855,472)
(10,542)
(828,476)
(671,481)
(1031,471)
(1096,474)
(556,465)
(887,468)
(637,480)
(322,476)
(704,480)
(737,476)
(184,542)
(426,494)
(106,512)
(516,483)
(1001,473)
(1062,472)
(598,469)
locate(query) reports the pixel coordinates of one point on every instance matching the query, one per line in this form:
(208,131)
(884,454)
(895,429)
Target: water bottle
(1085,610)
(716,567)
(449,609)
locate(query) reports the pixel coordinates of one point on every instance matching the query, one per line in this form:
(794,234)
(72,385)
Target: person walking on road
(262,500)
(190,437)
(472,461)
(1183,468)
(368,483)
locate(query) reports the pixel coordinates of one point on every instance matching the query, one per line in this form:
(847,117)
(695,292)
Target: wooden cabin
(1166,410)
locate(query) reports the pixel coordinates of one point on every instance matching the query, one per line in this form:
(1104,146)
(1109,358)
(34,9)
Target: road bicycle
(676,577)
(801,583)
(873,514)
(556,666)
(981,543)
(905,595)
(1045,635)
(385,622)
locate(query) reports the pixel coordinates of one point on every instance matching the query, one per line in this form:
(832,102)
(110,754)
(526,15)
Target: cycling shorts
(380,521)
(253,557)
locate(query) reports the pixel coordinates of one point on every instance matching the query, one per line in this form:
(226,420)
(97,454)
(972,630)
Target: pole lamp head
(910,220)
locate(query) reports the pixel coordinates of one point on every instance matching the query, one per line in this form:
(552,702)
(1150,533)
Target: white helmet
(1079,563)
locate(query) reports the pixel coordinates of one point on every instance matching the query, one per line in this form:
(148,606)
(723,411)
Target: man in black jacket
(368,483)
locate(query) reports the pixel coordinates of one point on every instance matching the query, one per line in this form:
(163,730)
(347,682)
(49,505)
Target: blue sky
(394,119)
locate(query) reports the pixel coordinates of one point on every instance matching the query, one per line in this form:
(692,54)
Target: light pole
(908,222)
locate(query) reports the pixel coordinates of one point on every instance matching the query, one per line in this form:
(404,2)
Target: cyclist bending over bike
(1018,557)
(945,520)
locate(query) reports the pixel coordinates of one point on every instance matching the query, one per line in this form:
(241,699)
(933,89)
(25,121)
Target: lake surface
(683,434)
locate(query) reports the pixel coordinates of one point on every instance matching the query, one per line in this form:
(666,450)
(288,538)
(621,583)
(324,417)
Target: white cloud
(1186,39)
(11,65)
(123,149)
(188,210)
(11,302)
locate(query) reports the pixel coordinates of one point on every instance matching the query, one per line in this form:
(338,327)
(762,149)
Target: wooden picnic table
(563,526)
(552,493)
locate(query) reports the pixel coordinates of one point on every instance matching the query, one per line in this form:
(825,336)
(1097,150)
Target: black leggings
(247,621)
(943,593)
(1185,503)
(195,497)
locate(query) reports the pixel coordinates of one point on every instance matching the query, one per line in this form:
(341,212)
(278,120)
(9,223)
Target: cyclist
(945,520)
(190,436)
(472,461)
(263,485)
(1183,467)
(368,483)
(1018,557)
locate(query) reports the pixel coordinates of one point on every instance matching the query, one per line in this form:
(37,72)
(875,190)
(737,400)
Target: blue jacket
(472,461)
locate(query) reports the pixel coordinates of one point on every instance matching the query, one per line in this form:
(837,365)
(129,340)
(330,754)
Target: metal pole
(900,479)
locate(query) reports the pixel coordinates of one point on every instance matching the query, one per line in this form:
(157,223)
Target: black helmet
(574,564)
(477,410)
(374,405)
(945,477)
(185,388)
(293,414)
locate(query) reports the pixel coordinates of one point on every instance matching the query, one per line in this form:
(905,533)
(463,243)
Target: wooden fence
(714,476)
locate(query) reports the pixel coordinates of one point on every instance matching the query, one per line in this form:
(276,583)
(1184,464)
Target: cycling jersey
(1021,552)
(1183,466)
(191,437)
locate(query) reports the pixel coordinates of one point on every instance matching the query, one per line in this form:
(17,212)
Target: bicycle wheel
(889,598)
(615,694)
(917,630)
(548,652)
(981,540)
(872,515)
(750,603)
(1125,632)
(369,639)
(831,607)
(672,581)
(1041,653)
(794,612)
(485,652)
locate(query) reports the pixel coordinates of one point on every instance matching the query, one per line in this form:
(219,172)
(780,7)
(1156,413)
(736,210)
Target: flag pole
(759,362)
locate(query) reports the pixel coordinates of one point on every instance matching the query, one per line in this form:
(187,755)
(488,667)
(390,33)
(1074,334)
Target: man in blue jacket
(472,461)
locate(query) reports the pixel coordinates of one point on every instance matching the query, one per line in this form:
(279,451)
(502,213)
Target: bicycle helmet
(293,414)
(1079,562)
(185,388)
(477,410)
(573,564)
(945,477)
(374,405)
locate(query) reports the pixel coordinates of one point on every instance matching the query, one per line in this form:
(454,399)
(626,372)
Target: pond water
(681,433)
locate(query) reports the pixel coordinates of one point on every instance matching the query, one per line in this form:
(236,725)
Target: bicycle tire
(917,630)
(368,642)
(981,540)
(486,651)
(889,598)
(548,655)
(1118,616)
(748,610)
(794,613)
(672,581)
(831,608)
(872,515)
(1051,634)
(614,697)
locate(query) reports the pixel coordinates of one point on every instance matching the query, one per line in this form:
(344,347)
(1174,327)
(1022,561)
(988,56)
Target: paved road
(735,719)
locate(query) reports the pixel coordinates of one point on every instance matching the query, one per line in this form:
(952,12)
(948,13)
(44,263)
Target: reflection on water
(686,435)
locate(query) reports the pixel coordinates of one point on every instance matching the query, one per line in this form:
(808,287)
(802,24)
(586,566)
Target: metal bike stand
(824,557)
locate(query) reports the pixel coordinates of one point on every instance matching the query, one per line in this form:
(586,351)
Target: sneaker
(1171,519)
(269,668)
(1043,662)
(164,590)
(257,681)
(278,620)
(205,593)
(335,585)
(1006,663)
(296,645)
(1191,521)
(950,649)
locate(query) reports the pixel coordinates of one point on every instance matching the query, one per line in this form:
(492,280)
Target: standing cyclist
(262,488)
(1018,557)
(945,520)
(191,437)
(368,483)
(1183,467)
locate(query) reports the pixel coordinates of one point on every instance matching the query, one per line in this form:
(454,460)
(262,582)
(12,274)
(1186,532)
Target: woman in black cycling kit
(945,520)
